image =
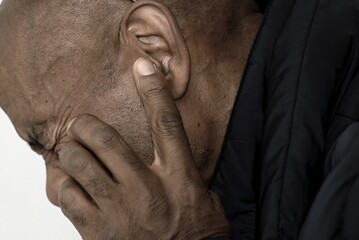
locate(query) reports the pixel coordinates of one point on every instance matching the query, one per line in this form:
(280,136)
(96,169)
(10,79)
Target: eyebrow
(39,130)
(38,136)
(35,146)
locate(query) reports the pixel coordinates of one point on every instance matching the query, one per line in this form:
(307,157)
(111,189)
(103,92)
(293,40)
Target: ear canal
(152,29)
(157,48)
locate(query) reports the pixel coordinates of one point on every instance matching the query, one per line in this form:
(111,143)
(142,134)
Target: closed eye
(36,147)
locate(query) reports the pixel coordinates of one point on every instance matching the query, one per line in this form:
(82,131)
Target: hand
(114,195)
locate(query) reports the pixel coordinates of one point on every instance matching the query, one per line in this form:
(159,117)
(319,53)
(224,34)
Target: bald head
(58,34)
(63,58)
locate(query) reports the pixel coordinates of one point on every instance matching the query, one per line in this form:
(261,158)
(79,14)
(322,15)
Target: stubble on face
(58,64)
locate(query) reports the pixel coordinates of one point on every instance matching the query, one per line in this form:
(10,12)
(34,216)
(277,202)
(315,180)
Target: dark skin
(165,200)
(142,171)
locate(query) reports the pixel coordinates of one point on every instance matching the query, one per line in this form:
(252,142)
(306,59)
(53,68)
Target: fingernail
(145,67)
(70,124)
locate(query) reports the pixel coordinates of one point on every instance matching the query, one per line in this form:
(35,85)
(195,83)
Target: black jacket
(299,93)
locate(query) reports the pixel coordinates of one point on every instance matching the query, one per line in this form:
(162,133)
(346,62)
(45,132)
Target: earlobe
(151,28)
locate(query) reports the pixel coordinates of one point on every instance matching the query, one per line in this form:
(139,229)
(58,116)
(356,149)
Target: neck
(217,69)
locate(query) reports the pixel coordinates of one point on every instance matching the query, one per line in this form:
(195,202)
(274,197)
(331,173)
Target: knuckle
(79,218)
(73,159)
(66,200)
(151,90)
(100,188)
(167,122)
(79,164)
(76,216)
(105,137)
(81,121)
(66,151)
(69,205)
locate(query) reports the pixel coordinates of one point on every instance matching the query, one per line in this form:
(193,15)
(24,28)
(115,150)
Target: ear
(151,28)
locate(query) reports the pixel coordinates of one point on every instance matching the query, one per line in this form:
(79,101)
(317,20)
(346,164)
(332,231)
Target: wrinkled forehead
(37,35)
(45,45)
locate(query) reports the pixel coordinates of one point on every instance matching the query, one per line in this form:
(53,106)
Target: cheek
(122,108)
(139,139)
(134,130)
(54,178)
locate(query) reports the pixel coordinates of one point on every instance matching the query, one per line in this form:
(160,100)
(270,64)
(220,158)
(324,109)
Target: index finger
(168,134)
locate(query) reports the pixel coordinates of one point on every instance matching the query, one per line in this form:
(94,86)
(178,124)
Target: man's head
(63,58)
